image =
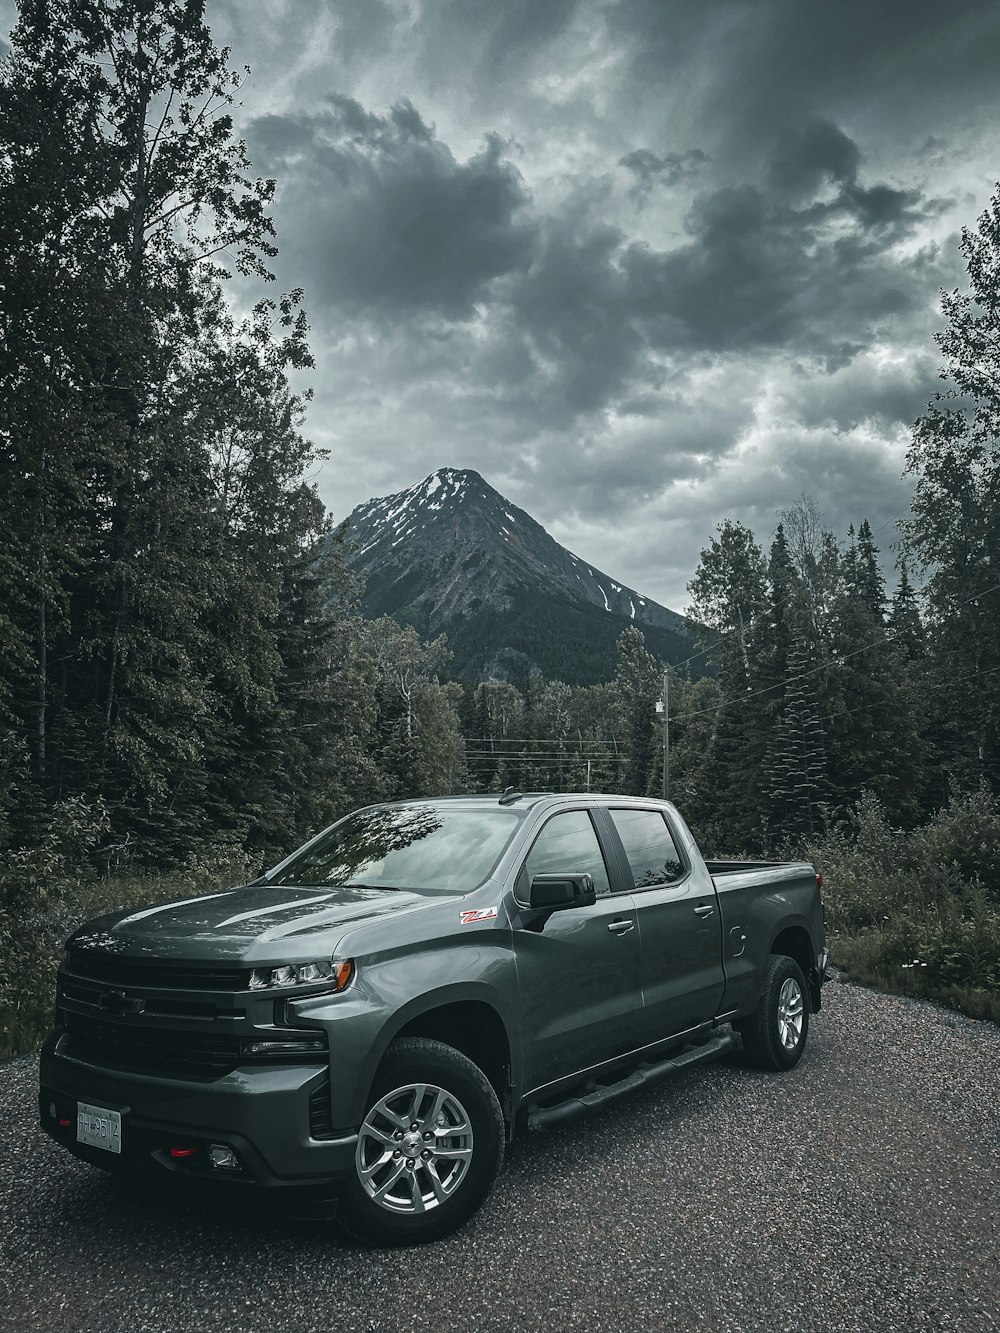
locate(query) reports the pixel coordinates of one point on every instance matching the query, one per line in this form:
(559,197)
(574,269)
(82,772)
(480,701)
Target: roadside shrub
(918,913)
(965,834)
(55,867)
(45,899)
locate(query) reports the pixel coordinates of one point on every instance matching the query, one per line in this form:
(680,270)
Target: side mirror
(553,893)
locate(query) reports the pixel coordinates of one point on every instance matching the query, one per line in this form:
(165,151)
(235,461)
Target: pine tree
(905,625)
(729,593)
(152,464)
(637,687)
(954,532)
(795,767)
(874,739)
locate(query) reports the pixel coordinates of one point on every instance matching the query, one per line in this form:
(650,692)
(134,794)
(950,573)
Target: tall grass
(918,913)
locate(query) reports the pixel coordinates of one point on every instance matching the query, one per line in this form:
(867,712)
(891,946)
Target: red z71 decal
(480,914)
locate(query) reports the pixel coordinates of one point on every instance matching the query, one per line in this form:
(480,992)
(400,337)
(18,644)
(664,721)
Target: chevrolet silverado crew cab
(380,1013)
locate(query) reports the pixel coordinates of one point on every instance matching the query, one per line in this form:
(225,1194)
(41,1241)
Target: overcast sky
(645,265)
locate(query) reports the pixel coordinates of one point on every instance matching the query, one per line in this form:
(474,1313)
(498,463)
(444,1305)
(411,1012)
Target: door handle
(620,927)
(704,911)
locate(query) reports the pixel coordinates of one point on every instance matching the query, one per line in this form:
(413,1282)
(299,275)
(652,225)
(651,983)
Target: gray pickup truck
(377,1016)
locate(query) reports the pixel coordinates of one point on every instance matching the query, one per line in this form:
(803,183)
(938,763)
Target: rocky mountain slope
(451,555)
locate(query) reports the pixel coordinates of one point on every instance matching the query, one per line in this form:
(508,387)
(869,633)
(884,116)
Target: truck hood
(254,923)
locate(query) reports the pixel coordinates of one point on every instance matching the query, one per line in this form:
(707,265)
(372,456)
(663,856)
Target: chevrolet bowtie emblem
(117,1002)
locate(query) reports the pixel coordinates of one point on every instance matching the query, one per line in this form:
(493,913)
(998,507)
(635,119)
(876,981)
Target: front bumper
(262,1113)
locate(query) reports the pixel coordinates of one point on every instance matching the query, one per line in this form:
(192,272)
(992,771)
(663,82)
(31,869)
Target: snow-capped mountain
(451,555)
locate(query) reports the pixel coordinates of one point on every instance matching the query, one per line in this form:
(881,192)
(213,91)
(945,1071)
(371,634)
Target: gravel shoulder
(860,1191)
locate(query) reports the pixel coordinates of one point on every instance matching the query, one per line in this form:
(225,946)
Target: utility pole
(665,709)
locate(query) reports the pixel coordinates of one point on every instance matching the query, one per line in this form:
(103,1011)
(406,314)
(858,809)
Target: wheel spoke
(419,1089)
(380,1193)
(437,1184)
(383,1110)
(373,1131)
(454,1154)
(367,1172)
(436,1108)
(452,1131)
(416,1193)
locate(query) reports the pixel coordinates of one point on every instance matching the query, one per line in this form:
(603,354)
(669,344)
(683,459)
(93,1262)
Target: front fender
(388,994)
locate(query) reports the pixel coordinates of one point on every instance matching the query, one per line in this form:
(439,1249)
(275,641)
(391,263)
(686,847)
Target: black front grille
(140,1048)
(321,1110)
(97,995)
(139,972)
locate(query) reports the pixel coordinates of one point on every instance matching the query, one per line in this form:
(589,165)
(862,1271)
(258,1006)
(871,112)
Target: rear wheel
(774,1036)
(428,1150)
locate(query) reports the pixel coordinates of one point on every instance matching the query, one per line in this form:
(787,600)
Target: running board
(596,1096)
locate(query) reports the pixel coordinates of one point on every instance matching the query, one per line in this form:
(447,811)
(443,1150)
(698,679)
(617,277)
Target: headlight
(334,975)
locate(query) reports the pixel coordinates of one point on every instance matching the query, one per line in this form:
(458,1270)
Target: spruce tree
(795,768)
(954,532)
(152,465)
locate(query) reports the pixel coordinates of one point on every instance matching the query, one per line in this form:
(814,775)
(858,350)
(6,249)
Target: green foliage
(31,941)
(918,912)
(49,871)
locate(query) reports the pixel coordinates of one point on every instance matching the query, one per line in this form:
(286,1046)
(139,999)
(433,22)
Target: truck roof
(520,799)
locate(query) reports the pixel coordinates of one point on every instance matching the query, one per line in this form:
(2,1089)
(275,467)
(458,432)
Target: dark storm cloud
(766,64)
(669,170)
(381,218)
(801,262)
(803,265)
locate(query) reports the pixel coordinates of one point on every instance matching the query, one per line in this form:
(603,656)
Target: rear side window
(652,856)
(568,845)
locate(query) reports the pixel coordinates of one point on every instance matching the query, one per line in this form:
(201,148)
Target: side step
(597,1095)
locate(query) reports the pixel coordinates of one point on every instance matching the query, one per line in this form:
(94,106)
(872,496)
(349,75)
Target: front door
(578,969)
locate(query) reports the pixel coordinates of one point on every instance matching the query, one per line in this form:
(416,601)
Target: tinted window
(650,849)
(406,847)
(568,845)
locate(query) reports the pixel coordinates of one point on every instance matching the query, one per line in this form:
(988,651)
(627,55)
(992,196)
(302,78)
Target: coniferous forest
(186,688)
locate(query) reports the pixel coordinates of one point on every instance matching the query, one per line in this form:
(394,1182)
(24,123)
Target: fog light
(182,1150)
(223,1157)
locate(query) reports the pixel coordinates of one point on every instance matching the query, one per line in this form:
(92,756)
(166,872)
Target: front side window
(405,847)
(568,845)
(652,856)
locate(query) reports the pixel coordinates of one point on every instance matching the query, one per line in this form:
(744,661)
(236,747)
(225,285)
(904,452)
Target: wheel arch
(461,1017)
(794,941)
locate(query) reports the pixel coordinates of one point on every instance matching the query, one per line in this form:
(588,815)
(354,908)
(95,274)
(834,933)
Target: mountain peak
(452,555)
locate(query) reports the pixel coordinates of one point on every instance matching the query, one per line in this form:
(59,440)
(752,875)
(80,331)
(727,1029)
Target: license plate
(98,1127)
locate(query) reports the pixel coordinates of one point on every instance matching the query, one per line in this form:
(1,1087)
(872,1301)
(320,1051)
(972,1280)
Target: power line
(824,666)
(877,703)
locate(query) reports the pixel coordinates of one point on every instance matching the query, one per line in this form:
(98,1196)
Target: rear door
(679,924)
(578,969)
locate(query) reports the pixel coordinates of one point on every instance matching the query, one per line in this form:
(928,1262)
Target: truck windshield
(405,847)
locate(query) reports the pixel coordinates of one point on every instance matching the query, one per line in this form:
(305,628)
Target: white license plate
(98,1127)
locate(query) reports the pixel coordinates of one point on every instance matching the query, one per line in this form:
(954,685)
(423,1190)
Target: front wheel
(774,1036)
(429,1149)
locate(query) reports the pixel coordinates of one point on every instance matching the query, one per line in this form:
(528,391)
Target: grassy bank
(918,913)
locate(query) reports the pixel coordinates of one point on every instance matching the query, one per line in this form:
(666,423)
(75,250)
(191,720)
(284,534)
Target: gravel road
(861,1191)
